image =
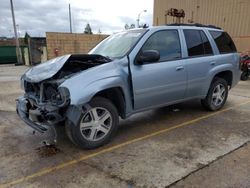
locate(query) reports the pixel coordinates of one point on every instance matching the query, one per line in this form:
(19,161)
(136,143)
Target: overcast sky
(38,16)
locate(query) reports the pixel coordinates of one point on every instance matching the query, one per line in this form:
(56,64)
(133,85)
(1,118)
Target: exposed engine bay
(78,63)
(43,104)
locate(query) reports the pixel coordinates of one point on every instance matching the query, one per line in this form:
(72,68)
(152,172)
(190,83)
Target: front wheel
(97,125)
(217,95)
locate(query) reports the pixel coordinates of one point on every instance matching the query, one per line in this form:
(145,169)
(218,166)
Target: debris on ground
(47,150)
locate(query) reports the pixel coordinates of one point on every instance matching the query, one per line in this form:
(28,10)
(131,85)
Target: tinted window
(166,42)
(206,44)
(223,41)
(197,43)
(194,42)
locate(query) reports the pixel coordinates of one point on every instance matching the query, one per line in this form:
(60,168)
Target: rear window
(223,41)
(197,43)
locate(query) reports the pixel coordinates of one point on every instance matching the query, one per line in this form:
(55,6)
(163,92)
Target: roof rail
(195,24)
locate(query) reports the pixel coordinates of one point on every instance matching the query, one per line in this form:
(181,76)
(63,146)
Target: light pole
(18,30)
(70,22)
(18,53)
(138,18)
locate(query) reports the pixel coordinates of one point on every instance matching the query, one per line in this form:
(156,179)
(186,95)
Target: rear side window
(167,42)
(197,43)
(223,41)
(206,44)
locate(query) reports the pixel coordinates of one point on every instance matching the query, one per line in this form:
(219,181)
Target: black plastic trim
(194,25)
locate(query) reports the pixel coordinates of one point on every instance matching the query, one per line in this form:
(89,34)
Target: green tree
(127,26)
(88,30)
(132,26)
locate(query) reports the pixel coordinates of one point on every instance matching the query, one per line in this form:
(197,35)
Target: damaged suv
(129,72)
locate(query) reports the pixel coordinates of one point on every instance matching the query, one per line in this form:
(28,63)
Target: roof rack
(195,24)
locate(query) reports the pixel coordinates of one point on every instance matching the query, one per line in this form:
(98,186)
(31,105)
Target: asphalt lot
(177,146)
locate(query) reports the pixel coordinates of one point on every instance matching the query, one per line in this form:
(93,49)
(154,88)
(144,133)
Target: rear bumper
(22,111)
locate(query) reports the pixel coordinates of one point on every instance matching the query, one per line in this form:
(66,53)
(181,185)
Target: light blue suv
(129,72)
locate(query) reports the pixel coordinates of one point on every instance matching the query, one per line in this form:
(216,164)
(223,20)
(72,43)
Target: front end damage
(44,104)
(42,113)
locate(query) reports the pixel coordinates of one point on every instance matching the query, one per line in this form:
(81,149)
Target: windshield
(119,44)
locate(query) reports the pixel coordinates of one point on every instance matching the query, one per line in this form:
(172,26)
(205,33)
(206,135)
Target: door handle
(212,63)
(179,68)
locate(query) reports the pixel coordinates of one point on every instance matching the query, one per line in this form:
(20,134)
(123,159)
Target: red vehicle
(245,67)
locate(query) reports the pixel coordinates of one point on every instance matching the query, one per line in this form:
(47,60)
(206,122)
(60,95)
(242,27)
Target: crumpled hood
(46,70)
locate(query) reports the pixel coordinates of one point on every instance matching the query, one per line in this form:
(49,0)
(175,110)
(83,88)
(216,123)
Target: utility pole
(70,23)
(18,52)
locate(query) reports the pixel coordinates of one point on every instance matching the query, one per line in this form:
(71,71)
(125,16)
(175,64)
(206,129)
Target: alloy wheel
(218,95)
(96,124)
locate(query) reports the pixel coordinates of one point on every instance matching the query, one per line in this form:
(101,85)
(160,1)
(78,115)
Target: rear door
(164,81)
(200,60)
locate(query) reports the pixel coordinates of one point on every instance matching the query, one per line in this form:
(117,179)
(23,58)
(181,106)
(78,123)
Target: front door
(164,81)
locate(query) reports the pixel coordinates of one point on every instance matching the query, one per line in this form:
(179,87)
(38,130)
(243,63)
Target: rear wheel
(97,125)
(217,95)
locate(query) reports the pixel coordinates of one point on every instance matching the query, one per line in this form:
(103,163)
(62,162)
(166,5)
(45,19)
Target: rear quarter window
(223,41)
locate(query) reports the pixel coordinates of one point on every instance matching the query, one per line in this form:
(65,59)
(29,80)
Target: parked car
(129,72)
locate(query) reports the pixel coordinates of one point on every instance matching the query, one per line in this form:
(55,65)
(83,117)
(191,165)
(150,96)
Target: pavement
(177,146)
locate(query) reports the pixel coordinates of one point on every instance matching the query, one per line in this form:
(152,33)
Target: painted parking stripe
(106,150)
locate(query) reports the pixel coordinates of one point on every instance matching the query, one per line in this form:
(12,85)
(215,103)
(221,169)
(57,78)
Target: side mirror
(148,56)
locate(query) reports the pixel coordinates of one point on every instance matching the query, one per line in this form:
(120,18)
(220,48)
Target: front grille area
(31,87)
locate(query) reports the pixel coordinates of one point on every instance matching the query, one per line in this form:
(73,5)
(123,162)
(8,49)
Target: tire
(217,95)
(96,126)
(244,76)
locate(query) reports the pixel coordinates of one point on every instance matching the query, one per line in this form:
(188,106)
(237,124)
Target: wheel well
(116,96)
(227,75)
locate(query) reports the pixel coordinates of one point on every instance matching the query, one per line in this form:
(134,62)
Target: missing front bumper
(22,111)
(47,132)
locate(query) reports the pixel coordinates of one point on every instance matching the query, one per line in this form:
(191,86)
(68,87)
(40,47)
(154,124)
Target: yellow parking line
(72,162)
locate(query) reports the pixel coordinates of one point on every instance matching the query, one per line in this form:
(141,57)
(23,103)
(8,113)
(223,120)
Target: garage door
(8,54)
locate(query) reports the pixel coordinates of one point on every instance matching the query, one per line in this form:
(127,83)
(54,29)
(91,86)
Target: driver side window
(167,43)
